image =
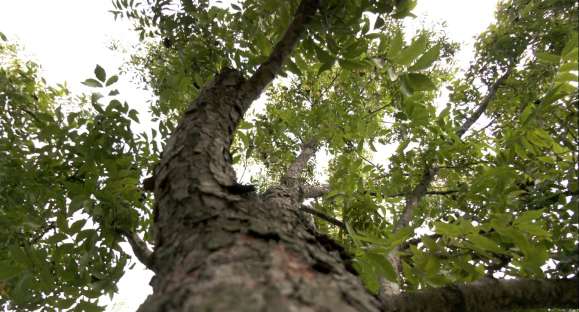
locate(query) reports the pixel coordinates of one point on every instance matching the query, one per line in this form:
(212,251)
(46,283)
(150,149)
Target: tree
(458,217)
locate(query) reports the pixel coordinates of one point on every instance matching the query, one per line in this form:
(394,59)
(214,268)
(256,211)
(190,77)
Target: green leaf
(403,8)
(529,216)
(548,58)
(292,67)
(410,53)
(384,267)
(112,80)
(92,83)
(569,67)
(379,22)
(351,65)
(325,66)
(566,76)
(323,56)
(133,114)
(8,269)
(3,37)
(396,43)
(481,242)
(77,226)
(400,236)
(427,59)
(569,52)
(100,73)
(419,82)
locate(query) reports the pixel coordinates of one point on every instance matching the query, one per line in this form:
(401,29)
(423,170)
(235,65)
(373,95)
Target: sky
(69,37)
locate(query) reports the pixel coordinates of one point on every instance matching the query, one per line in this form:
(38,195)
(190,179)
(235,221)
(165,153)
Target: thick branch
(140,249)
(281,51)
(413,199)
(490,295)
(296,168)
(315,191)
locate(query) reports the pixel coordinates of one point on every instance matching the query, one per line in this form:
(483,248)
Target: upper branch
(490,295)
(296,168)
(483,104)
(414,198)
(271,67)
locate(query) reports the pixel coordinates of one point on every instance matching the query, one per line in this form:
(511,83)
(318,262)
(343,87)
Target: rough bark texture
(219,251)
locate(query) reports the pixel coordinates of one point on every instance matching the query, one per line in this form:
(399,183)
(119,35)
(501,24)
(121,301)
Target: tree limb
(281,51)
(483,104)
(429,174)
(296,168)
(413,199)
(324,216)
(315,191)
(490,295)
(140,249)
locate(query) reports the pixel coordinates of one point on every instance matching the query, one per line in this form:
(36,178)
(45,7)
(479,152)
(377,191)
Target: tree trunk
(220,246)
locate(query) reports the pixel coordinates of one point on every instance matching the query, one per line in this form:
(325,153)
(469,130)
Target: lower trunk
(251,255)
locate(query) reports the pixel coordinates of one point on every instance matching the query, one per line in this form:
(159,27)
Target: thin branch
(370,114)
(490,295)
(377,167)
(429,174)
(414,198)
(483,104)
(315,191)
(325,217)
(443,193)
(140,249)
(281,51)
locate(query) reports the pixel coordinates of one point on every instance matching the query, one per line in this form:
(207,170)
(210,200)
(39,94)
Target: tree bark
(220,251)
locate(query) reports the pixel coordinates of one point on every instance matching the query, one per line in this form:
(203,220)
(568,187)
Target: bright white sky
(69,37)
